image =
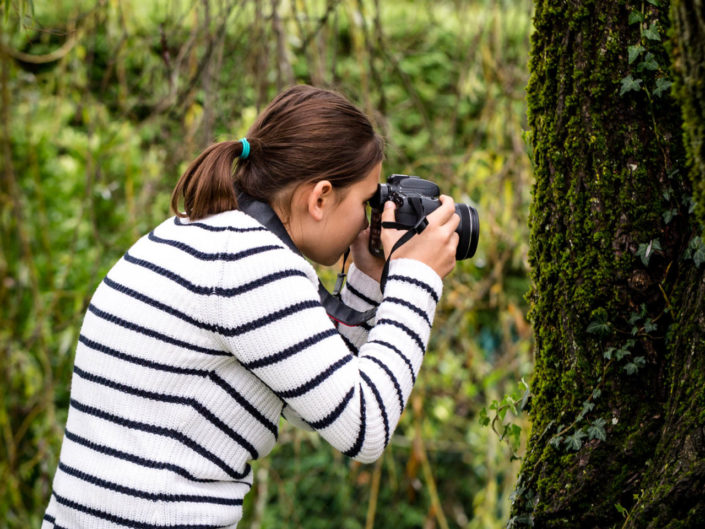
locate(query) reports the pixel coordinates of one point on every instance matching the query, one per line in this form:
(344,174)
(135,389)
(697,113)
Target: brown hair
(306,134)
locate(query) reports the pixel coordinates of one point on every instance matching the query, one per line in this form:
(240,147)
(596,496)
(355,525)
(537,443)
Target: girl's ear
(319,199)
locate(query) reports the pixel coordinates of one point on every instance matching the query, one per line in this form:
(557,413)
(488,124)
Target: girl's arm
(281,333)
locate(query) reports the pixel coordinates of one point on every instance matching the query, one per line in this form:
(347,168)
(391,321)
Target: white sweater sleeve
(285,338)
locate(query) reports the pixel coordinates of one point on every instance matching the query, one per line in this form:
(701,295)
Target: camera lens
(468,231)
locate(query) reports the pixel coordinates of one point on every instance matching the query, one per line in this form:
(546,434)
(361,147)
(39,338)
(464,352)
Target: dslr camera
(415,198)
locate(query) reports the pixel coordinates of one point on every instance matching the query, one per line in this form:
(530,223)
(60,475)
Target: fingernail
(388,204)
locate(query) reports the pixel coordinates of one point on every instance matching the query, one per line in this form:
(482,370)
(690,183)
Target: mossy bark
(689,64)
(617,298)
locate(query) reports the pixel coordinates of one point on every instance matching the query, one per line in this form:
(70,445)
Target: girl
(210,327)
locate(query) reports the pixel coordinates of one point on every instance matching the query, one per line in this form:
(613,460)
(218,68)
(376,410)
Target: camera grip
(375,244)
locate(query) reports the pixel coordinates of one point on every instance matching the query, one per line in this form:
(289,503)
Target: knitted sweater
(195,343)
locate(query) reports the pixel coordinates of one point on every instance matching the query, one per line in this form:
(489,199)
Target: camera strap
(333,305)
(410,232)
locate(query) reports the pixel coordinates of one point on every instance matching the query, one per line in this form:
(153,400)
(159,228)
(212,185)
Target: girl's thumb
(388,211)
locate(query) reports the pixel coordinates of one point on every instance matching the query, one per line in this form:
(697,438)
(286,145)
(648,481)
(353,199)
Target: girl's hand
(435,245)
(363,259)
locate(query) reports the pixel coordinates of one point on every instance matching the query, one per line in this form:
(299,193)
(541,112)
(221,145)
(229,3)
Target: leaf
(621,510)
(598,327)
(555,442)
(654,2)
(597,430)
(645,251)
(635,17)
(662,84)
(596,393)
(575,441)
(630,84)
(608,353)
(634,52)
(651,32)
(650,326)
(622,352)
(587,407)
(634,366)
(484,419)
(649,62)
(668,215)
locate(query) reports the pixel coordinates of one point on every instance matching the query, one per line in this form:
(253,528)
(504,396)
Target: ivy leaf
(629,84)
(661,86)
(654,2)
(635,17)
(650,326)
(634,52)
(587,407)
(668,215)
(634,366)
(575,441)
(601,328)
(645,251)
(696,250)
(651,32)
(608,354)
(555,442)
(597,430)
(621,353)
(596,393)
(649,62)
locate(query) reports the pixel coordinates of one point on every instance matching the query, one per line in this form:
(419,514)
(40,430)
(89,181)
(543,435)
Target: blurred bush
(104,102)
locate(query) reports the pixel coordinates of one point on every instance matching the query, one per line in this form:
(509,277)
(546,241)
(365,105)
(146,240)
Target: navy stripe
(392,378)
(152,333)
(237,397)
(208,227)
(232,331)
(220,256)
(173,399)
(308,386)
(208,290)
(270,318)
(398,352)
(165,432)
(366,326)
(139,361)
(290,351)
(415,282)
(409,306)
(351,346)
(361,296)
(332,416)
(119,520)
(98,482)
(380,403)
(412,334)
(49,519)
(137,460)
(157,304)
(355,448)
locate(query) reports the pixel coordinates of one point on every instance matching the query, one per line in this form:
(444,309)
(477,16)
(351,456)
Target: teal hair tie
(245,148)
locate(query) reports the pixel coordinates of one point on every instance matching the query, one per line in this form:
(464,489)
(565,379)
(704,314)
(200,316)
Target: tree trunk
(618,286)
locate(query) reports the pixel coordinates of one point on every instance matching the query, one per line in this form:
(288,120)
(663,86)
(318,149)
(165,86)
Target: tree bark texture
(618,393)
(689,63)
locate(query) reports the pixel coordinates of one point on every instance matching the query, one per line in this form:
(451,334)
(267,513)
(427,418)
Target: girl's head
(306,135)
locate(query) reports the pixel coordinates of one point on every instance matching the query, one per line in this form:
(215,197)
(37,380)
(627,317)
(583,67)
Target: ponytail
(207,186)
(304,135)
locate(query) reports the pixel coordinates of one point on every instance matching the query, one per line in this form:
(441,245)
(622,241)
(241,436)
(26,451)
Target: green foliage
(127,93)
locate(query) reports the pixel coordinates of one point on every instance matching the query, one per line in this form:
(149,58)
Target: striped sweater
(195,343)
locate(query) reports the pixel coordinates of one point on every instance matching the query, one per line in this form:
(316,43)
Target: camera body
(415,198)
